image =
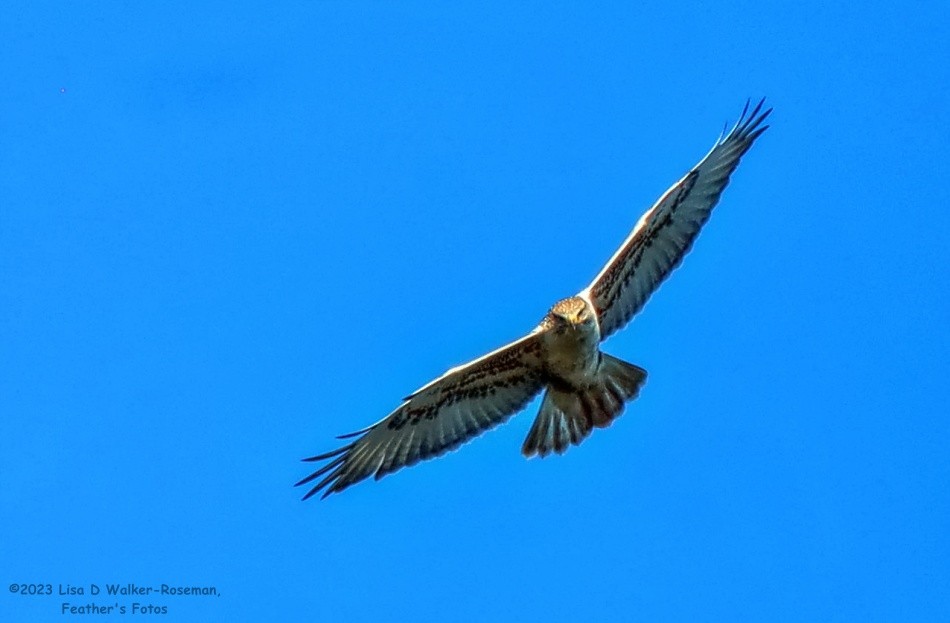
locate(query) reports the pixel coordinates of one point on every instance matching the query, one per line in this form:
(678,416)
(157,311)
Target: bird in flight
(584,388)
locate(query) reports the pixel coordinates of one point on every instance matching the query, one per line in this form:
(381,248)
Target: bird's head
(571,313)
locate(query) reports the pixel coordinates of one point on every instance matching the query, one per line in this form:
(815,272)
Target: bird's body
(584,388)
(571,340)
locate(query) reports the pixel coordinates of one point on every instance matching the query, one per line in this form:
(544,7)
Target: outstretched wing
(457,406)
(665,233)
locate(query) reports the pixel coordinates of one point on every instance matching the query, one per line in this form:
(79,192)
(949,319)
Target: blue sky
(230,232)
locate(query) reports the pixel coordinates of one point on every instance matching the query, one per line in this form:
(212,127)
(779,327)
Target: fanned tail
(568,415)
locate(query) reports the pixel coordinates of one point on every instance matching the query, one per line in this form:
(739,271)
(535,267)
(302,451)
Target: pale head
(574,312)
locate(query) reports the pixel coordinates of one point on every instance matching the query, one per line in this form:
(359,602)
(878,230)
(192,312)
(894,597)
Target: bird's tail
(568,415)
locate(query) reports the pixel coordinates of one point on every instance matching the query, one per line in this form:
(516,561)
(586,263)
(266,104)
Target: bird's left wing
(440,416)
(665,233)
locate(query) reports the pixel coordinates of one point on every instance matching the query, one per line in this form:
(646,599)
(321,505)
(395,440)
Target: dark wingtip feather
(330,483)
(748,124)
(337,464)
(755,111)
(310,494)
(745,108)
(327,455)
(356,433)
(334,463)
(746,128)
(757,133)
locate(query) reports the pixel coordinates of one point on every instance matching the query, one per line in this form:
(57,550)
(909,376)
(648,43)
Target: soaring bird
(583,387)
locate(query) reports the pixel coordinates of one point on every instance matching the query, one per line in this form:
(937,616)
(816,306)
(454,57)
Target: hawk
(584,388)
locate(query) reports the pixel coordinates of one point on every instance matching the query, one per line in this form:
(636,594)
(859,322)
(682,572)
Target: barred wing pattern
(666,232)
(457,406)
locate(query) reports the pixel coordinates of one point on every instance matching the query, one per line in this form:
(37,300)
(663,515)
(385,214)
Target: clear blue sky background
(229,232)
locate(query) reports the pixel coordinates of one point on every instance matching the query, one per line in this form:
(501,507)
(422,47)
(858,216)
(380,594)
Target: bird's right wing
(664,234)
(440,416)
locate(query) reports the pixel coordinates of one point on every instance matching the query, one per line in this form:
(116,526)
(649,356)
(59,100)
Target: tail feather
(568,415)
